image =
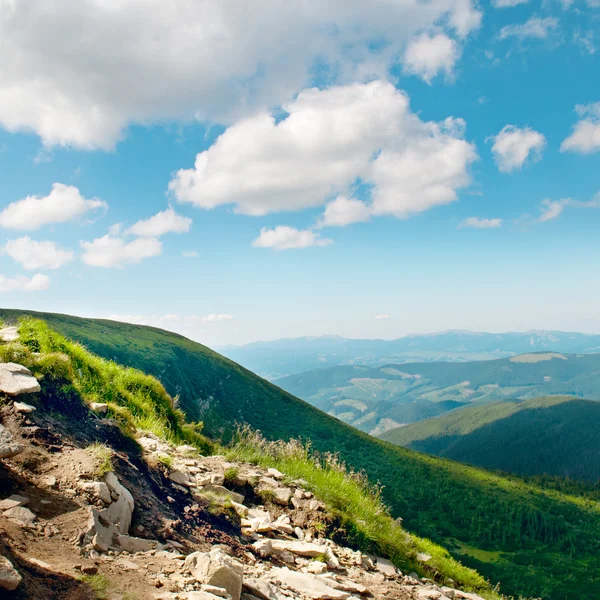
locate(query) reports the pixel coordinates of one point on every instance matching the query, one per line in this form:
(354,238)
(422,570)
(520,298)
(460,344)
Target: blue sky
(242,172)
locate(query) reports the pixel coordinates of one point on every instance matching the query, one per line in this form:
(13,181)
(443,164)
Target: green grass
(548,531)
(103,456)
(364,519)
(99,584)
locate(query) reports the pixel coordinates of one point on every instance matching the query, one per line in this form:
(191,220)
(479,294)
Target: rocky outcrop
(217,569)
(16,380)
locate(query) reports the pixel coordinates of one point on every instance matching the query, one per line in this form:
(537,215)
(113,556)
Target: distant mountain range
(557,436)
(279,358)
(382,398)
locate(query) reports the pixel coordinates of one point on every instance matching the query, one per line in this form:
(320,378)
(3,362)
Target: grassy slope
(536,541)
(555,436)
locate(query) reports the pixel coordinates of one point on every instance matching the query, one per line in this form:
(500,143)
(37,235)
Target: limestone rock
(99,408)
(8,446)
(299,548)
(262,589)
(13,501)
(9,576)
(23,407)
(119,513)
(309,585)
(274,473)
(134,544)
(9,334)
(16,379)
(283,496)
(180,477)
(98,489)
(218,569)
(20,514)
(385,567)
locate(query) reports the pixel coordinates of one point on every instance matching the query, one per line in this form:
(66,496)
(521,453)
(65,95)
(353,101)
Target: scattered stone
(9,576)
(40,563)
(8,446)
(49,481)
(134,544)
(386,567)
(262,589)
(100,408)
(127,564)
(21,515)
(13,501)
(275,474)
(179,477)
(309,585)
(16,380)
(316,567)
(23,407)
(215,591)
(218,569)
(217,479)
(263,548)
(98,489)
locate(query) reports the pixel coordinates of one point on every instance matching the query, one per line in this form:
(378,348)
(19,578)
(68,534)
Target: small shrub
(231,475)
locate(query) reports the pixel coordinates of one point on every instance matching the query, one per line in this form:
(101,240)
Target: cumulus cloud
(507,3)
(428,55)
(328,140)
(34,255)
(215,60)
(344,211)
(64,203)
(21,283)
(585,138)
(108,251)
(551,209)
(535,27)
(286,238)
(477,223)
(513,146)
(216,318)
(166,221)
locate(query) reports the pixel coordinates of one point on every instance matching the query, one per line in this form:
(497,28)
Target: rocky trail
(85,513)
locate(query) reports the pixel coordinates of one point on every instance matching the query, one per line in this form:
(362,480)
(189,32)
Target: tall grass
(365,521)
(136,400)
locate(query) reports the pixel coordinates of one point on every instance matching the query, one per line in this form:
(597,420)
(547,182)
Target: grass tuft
(103,455)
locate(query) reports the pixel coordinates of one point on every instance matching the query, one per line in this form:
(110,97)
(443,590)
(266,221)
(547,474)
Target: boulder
(23,407)
(98,489)
(20,514)
(385,567)
(9,334)
(100,408)
(180,477)
(262,589)
(134,544)
(9,576)
(309,585)
(119,513)
(8,446)
(274,473)
(218,569)
(13,501)
(299,548)
(16,379)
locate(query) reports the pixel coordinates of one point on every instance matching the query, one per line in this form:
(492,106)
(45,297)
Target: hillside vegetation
(557,436)
(380,399)
(537,540)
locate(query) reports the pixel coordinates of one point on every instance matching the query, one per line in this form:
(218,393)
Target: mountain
(539,539)
(284,357)
(379,399)
(558,436)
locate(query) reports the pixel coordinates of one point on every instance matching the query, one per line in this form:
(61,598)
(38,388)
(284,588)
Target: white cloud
(329,139)
(215,60)
(64,203)
(34,255)
(109,251)
(513,146)
(507,3)
(286,238)
(21,283)
(428,55)
(585,40)
(216,318)
(189,254)
(585,138)
(551,209)
(344,211)
(382,317)
(477,223)
(166,221)
(533,28)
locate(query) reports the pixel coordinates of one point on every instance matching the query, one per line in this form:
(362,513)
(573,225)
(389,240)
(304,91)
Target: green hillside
(379,399)
(537,541)
(554,436)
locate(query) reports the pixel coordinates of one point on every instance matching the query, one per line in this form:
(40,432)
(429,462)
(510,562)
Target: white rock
(309,585)
(299,548)
(223,491)
(218,569)
(215,591)
(135,544)
(385,567)
(217,478)
(16,379)
(422,557)
(262,589)
(180,477)
(316,567)
(263,548)
(275,474)
(23,407)
(240,509)
(8,446)
(20,514)
(9,334)
(119,513)
(9,576)
(99,408)
(13,501)
(98,489)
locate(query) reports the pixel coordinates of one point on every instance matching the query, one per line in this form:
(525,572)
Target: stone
(100,408)
(9,576)
(283,496)
(8,446)
(283,525)
(49,481)
(217,478)
(352,587)
(218,569)
(197,595)
(263,548)
(262,589)
(135,544)
(9,334)
(422,557)
(16,380)
(309,585)
(180,477)
(223,491)
(119,513)
(385,567)
(316,567)
(215,591)
(240,509)
(299,548)
(20,514)
(127,564)
(40,563)
(275,474)
(448,592)
(98,489)
(23,407)
(13,501)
